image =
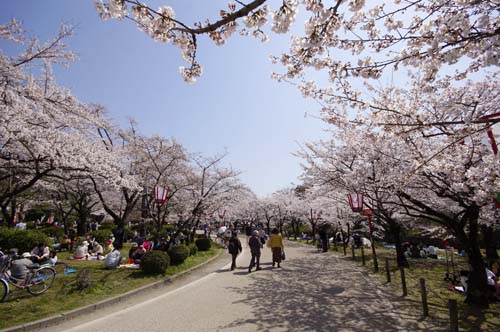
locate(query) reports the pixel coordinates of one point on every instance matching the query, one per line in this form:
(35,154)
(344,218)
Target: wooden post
(403,281)
(353,254)
(374,253)
(345,245)
(452,306)
(363,255)
(423,292)
(387,270)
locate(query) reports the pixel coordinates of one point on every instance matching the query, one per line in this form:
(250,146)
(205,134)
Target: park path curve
(312,292)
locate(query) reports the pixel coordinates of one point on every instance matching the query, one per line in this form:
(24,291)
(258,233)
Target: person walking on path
(255,246)
(248,233)
(234,248)
(276,244)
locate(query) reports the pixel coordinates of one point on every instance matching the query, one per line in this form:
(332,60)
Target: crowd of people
(413,250)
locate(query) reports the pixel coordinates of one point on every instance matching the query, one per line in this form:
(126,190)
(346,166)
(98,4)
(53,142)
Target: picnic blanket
(129,266)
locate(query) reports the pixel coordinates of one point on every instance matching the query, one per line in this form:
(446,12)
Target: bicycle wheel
(4,289)
(41,280)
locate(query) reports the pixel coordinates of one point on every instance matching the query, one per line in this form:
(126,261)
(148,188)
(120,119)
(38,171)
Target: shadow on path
(323,293)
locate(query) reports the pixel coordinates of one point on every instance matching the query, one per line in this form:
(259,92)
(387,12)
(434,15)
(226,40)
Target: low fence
(408,281)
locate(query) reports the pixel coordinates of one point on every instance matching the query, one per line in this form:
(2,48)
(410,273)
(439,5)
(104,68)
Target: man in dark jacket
(255,246)
(234,248)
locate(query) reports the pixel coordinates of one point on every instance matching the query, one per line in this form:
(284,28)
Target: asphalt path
(311,292)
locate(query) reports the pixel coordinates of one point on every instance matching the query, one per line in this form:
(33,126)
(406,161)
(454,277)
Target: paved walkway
(312,292)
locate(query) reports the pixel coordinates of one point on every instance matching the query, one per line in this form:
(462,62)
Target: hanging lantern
(355,202)
(367,212)
(160,195)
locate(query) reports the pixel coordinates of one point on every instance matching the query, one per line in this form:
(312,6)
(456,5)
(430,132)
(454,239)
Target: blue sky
(234,105)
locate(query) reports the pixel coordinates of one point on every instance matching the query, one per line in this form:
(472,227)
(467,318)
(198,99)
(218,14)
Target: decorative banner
(368,213)
(355,202)
(160,195)
(492,133)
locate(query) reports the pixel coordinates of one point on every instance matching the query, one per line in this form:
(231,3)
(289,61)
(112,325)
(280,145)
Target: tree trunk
(313,228)
(490,244)
(477,286)
(81,228)
(193,233)
(400,257)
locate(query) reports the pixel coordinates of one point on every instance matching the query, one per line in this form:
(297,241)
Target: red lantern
(367,212)
(160,195)
(355,202)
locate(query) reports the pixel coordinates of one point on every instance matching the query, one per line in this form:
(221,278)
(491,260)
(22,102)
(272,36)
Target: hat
(26,255)
(256,232)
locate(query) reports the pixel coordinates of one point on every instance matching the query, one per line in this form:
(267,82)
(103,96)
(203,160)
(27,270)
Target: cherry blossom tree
(44,130)
(163,25)
(378,35)
(408,171)
(73,197)
(211,186)
(165,162)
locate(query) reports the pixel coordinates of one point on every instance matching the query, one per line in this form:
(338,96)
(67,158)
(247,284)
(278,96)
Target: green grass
(433,271)
(21,307)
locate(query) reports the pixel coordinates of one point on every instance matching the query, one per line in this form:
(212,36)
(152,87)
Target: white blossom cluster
(43,128)
(50,142)
(415,142)
(284,17)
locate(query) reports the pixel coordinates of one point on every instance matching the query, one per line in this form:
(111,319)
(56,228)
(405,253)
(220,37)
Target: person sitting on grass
(52,257)
(19,267)
(65,243)
(82,250)
(108,247)
(40,253)
(136,255)
(139,253)
(131,252)
(113,260)
(493,276)
(97,250)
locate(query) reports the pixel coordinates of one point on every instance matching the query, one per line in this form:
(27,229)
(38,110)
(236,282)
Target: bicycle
(36,281)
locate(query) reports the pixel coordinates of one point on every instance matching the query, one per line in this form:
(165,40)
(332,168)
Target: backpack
(232,248)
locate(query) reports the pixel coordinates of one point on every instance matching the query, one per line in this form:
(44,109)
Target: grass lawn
(21,307)
(433,271)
